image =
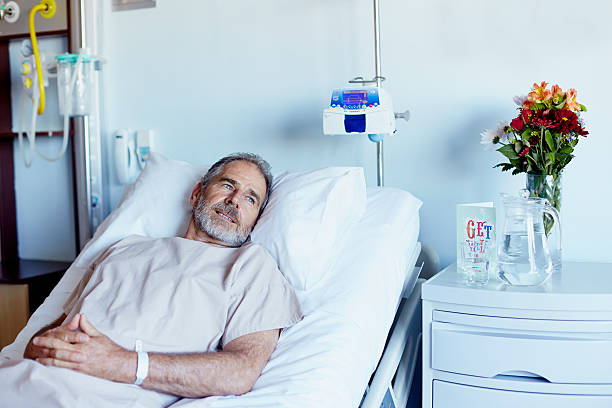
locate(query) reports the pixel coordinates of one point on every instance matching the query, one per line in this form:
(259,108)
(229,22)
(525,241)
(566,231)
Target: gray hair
(262,165)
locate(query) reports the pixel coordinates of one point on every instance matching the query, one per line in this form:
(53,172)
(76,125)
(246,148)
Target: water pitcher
(524,256)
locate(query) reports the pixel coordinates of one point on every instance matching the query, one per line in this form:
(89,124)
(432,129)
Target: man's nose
(232,199)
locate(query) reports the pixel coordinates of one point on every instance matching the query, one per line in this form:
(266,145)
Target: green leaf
(565,162)
(550,158)
(518,146)
(567,150)
(561,105)
(549,140)
(504,166)
(526,135)
(516,171)
(583,108)
(508,151)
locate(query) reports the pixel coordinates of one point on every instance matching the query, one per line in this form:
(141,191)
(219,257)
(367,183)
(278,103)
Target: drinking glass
(475,264)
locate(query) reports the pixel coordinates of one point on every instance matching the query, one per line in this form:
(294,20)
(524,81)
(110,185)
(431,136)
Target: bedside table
(502,346)
(24,285)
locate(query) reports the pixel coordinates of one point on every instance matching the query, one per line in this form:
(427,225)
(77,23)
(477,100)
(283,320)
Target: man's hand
(99,356)
(57,341)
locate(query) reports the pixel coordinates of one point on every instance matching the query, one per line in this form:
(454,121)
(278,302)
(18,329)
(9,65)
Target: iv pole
(379,144)
(378,79)
(378,139)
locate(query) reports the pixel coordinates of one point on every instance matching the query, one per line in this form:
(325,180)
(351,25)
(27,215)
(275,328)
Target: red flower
(534,140)
(517,123)
(567,122)
(524,152)
(526,115)
(544,118)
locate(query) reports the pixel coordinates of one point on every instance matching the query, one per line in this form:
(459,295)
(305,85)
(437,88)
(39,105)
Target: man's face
(228,208)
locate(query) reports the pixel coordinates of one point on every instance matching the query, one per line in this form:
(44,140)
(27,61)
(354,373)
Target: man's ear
(195,194)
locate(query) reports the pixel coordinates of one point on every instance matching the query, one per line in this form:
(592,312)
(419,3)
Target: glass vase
(548,186)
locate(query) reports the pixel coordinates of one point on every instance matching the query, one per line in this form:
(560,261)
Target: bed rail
(397,367)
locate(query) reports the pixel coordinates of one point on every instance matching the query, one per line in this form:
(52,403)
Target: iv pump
(74,74)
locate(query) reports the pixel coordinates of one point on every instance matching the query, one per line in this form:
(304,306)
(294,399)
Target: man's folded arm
(233,370)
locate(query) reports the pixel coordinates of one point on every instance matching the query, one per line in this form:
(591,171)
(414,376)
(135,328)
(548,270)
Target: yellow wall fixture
(47,10)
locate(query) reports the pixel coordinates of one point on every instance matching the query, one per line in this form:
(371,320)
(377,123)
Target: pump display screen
(355,97)
(352,100)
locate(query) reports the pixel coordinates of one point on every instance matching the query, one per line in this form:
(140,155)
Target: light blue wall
(213,77)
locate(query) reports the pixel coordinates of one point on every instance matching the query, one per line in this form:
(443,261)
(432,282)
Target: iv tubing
(47,10)
(27,162)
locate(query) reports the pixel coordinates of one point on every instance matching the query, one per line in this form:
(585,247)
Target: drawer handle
(521,373)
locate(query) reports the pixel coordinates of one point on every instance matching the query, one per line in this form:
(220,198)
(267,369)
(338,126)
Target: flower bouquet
(540,141)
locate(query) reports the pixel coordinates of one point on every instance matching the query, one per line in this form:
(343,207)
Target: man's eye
(250,199)
(227,186)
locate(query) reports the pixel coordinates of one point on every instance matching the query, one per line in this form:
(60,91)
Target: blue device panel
(355,99)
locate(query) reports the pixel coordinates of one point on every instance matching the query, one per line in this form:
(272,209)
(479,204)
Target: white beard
(207,220)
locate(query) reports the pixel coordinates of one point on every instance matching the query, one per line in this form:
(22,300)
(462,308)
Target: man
(207,308)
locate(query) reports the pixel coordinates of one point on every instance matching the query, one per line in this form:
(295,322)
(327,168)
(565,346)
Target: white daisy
(487,137)
(500,133)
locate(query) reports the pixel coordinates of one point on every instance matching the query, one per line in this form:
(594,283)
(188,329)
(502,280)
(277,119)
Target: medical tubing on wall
(27,162)
(41,87)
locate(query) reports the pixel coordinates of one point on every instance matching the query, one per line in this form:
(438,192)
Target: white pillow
(155,205)
(307,212)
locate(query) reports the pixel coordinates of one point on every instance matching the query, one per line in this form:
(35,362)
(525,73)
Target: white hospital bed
(328,358)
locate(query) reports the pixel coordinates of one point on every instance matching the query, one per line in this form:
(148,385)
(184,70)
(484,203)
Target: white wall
(212,77)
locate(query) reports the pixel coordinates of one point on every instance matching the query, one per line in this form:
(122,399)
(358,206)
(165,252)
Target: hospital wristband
(143,367)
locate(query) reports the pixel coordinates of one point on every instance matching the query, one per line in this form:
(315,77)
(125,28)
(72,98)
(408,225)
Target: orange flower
(557,94)
(539,93)
(527,104)
(570,102)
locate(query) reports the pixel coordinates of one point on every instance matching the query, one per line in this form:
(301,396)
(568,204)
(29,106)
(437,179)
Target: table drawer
(489,350)
(450,395)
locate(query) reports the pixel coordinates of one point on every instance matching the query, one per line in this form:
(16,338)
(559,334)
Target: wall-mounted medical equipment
(74,74)
(126,147)
(74,83)
(366,110)
(9,12)
(14,18)
(123,156)
(144,146)
(362,110)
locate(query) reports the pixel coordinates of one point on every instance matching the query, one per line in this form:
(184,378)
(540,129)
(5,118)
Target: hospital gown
(170,295)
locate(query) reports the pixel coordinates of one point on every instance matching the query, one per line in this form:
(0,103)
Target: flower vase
(548,186)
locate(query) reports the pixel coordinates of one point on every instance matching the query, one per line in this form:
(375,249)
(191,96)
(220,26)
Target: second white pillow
(308,213)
